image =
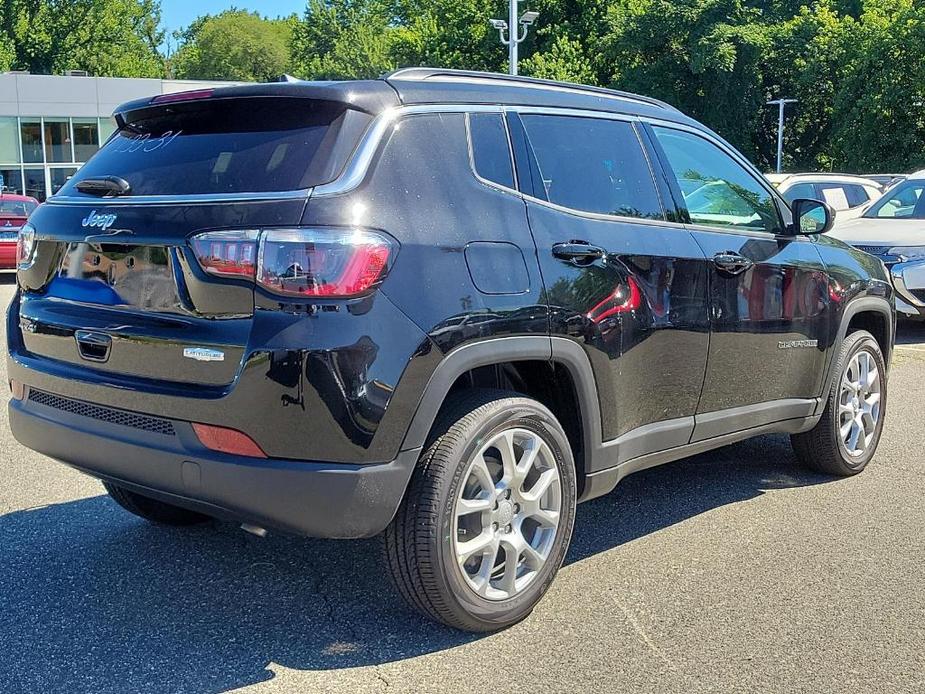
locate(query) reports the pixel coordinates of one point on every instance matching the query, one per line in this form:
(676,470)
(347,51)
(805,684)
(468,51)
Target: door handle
(731,262)
(578,252)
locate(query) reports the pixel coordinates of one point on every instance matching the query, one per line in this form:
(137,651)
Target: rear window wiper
(104,186)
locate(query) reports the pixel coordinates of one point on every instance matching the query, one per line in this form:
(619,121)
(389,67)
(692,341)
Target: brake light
(192,95)
(227,253)
(227,440)
(327,263)
(324,263)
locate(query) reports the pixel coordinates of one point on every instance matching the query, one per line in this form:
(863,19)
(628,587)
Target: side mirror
(811,217)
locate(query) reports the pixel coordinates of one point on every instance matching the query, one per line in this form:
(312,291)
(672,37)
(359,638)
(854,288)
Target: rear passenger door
(769,289)
(621,280)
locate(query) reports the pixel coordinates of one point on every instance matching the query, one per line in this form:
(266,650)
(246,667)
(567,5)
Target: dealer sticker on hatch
(203,354)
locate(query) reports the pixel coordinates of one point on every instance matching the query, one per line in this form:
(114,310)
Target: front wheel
(488,515)
(846,437)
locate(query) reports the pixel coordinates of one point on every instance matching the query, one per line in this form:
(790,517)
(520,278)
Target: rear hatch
(124,281)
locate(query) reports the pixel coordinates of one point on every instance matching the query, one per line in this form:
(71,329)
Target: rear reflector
(182,96)
(227,441)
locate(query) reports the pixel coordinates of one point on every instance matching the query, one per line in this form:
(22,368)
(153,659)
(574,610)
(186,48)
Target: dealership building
(50,124)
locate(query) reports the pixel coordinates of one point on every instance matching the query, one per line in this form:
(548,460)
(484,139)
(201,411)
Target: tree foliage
(854,65)
(234,45)
(104,37)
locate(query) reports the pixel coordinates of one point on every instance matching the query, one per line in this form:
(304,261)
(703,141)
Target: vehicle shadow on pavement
(94,600)
(7,278)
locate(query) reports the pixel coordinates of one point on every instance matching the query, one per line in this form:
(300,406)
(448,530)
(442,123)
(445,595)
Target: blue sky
(176,14)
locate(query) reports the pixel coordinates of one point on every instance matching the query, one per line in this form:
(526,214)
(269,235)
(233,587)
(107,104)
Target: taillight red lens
(227,440)
(227,253)
(328,263)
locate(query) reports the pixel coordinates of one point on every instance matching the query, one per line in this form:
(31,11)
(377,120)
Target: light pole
(511,26)
(780,103)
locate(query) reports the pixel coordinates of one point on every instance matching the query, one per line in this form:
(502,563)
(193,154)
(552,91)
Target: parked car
(14,210)
(846,194)
(251,304)
(886,180)
(893,229)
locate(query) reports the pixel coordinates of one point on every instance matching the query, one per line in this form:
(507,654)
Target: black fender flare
(863,304)
(499,350)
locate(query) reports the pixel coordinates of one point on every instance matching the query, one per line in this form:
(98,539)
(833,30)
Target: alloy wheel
(859,403)
(506,514)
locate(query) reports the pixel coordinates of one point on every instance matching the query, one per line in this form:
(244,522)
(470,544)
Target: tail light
(25,245)
(310,263)
(227,253)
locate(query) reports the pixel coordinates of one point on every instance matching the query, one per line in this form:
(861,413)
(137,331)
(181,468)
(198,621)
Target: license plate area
(135,276)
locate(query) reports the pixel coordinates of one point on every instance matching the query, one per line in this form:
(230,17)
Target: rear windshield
(218,146)
(16,208)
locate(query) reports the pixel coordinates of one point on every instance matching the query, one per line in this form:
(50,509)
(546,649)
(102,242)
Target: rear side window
(491,154)
(218,146)
(593,165)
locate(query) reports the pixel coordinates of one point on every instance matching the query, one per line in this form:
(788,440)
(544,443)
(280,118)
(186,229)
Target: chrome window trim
(358,167)
(184,199)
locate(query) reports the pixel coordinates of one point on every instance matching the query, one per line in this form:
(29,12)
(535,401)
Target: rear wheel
(846,437)
(488,516)
(152,509)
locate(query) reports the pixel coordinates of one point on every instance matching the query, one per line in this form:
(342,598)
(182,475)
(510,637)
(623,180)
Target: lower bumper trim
(305,498)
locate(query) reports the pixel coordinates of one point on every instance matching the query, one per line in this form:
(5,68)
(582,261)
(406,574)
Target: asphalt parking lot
(733,571)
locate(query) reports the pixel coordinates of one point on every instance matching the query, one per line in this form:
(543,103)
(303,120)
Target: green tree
(879,121)
(104,37)
(704,56)
(234,45)
(340,39)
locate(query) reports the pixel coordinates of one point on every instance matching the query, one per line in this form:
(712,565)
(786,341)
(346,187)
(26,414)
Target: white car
(847,195)
(893,229)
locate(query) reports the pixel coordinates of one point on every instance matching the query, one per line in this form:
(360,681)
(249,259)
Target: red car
(14,210)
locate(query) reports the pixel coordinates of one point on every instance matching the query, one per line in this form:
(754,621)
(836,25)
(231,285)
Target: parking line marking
(911,349)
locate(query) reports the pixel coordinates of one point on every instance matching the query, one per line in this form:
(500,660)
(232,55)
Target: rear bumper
(305,498)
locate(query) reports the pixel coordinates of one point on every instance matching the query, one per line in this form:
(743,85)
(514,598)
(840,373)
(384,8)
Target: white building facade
(50,124)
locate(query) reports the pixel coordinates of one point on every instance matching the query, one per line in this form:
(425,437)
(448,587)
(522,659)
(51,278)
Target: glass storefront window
(35,183)
(86,138)
(59,177)
(58,140)
(31,131)
(107,128)
(11,180)
(9,140)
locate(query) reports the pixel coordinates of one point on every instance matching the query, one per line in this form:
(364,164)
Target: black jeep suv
(442,307)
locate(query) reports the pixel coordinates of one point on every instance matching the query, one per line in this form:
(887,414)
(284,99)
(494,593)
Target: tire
(151,509)
(420,545)
(824,447)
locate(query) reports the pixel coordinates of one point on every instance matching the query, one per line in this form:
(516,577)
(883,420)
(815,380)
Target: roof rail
(421,74)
